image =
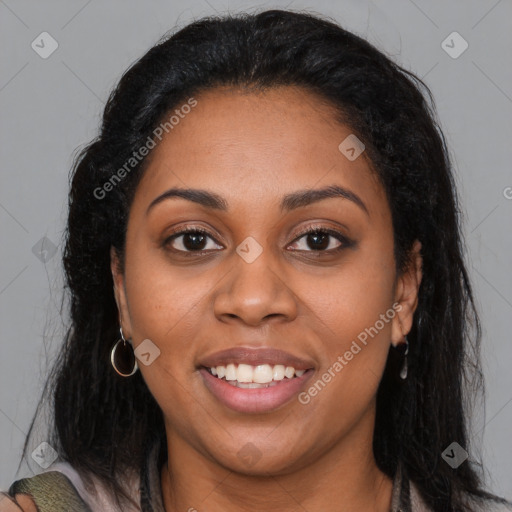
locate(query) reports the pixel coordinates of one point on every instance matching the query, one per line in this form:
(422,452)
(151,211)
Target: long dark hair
(104,424)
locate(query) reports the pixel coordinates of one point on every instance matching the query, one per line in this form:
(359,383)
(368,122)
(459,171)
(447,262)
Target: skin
(20,502)
(251,149)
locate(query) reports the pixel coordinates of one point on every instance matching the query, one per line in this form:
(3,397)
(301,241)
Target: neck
(345,475)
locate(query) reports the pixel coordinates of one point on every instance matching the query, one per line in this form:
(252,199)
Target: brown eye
(321,240)
(190,240)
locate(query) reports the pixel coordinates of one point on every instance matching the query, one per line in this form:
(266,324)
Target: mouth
(254,389)
(247,376)
(254,380)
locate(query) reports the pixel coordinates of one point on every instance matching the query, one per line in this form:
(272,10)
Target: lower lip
(254,400)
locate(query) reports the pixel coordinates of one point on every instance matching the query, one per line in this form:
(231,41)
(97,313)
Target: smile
(254,389)
(252,377)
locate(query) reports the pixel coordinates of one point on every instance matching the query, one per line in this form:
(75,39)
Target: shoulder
(493,506)
(49,491)
(483,505)
(60,488)
(497,504)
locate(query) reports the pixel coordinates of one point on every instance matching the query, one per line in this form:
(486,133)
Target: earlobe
(406,296)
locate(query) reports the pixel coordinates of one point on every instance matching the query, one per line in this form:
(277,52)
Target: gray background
(51,106)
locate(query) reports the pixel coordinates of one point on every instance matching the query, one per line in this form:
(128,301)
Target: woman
(269,305)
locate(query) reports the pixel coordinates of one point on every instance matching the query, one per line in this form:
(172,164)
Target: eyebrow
(289,202)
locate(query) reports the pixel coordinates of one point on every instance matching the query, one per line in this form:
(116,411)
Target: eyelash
(345,242)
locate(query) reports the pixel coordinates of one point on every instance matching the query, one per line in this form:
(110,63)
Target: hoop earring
(403,349)
(123,358)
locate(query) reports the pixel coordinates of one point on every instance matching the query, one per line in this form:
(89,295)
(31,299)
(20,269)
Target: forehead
(254,147)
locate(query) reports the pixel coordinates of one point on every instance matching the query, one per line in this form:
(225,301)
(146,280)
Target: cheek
(163,299)
(354,296)
(354,310)
(164,305)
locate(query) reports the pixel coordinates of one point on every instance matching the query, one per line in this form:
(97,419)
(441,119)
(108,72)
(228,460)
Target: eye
(321,240)
(191,240)
(316,239)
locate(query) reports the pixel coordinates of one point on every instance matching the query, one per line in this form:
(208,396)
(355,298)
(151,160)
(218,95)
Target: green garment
(42,489)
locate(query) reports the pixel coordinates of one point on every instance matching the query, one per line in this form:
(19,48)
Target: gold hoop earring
(122,357)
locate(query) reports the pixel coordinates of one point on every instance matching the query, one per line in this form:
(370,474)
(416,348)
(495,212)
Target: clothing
(60,489)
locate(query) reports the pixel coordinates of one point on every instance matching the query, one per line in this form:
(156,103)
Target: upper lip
(254,357)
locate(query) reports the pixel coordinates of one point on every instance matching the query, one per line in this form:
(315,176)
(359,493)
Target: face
(246,277)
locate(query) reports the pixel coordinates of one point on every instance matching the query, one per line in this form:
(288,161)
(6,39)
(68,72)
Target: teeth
(289,372)
(244,373)
(230,372)
(249,376)
(278,372)
(262,374)
(250,385)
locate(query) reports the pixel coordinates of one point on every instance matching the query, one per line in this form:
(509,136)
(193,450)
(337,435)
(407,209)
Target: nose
(255,292)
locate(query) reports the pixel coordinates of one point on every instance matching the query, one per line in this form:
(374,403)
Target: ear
(406,295)
(120,293)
